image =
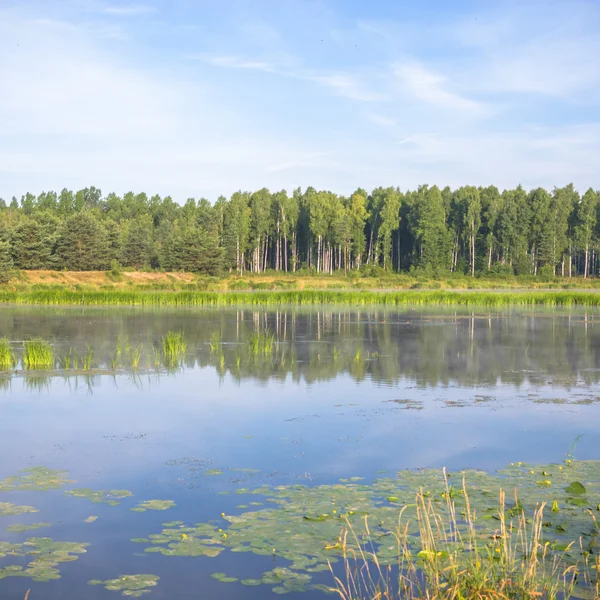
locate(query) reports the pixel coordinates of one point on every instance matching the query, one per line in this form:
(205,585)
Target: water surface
(343,393)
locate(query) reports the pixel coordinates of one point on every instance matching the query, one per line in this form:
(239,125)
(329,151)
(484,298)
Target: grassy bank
(272,281)
(492,299)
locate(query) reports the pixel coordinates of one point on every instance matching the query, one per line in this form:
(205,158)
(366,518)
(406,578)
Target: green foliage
(6,262)
(82,244)
(460,231)
(38,354)
(129,585)
(7,355)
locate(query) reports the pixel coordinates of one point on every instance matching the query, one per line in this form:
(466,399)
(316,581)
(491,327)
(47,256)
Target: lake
(324,395)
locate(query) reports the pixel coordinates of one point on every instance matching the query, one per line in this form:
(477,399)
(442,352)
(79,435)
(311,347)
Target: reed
(215,341)
(7,356)
(492,299)
(86,359)
(261,342)
(454,561)
(38,354)
(67,360)
(136,357)
(174,344)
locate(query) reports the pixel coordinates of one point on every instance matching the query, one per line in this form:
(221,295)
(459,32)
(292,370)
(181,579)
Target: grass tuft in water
(136,356)
(261,342)
(86,360)
(7,356)
(174,344)
(215,341)
(38,354)
(456,561)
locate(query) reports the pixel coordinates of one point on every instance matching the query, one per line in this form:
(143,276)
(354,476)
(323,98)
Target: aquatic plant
(35,479)
(495,299)
(7,356)
(23,528)
(261,342)
(153,505)
(86,360)
(43,556)
(215,341)
(136,356)
(325,526)
(174,344)
(453,559)
(38,354)
(129,585)
(110,497)
(9,509)
(67,359)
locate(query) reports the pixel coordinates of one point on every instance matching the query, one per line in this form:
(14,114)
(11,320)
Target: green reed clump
(86,359)
(67,360)
(174,344)
(38,354)
(492,299)
(7,356)
(456,562)
(261,342)
(215,341)
(136,357)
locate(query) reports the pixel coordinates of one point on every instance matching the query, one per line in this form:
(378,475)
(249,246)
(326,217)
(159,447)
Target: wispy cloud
(129,10)
(298,163)
(381,120)
(431,87)
(234,62)
(349,86)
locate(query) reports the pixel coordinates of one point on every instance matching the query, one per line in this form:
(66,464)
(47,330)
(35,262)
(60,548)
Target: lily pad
(129,585)
(35,479)
(22,528)
(575,487)
(9,509)
(154,505)
(110,497)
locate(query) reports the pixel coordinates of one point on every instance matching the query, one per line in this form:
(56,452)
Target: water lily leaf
(251,582)
(129,585)
(91,519)
(224,578)
(22,528)
(154,505)
(9,509)
(575,487)
(110,497)
(35,479)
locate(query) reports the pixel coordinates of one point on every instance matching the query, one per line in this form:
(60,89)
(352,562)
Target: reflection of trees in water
(321,344)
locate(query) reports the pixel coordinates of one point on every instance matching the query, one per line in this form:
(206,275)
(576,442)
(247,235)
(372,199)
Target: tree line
(469,230)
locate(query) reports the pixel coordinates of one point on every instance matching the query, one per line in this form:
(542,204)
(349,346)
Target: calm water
(344,393)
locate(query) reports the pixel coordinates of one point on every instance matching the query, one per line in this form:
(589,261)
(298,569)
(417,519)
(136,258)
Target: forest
(470,230)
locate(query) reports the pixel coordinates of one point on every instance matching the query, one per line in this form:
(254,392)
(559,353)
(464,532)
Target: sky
(196,98)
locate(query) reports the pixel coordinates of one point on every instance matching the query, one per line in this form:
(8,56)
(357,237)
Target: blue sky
(202,98)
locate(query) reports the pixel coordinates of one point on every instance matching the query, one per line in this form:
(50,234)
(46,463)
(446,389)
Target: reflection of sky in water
(157,436)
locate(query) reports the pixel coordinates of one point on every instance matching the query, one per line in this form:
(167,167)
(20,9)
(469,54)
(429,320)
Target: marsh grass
(86,359)
(174,344)
(67,360)
(38,354)
(7,356)
(136,357)
(456,561)
(119,297)
(261,342)
(215,341)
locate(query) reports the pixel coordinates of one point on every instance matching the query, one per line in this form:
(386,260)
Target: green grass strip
(307,297)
